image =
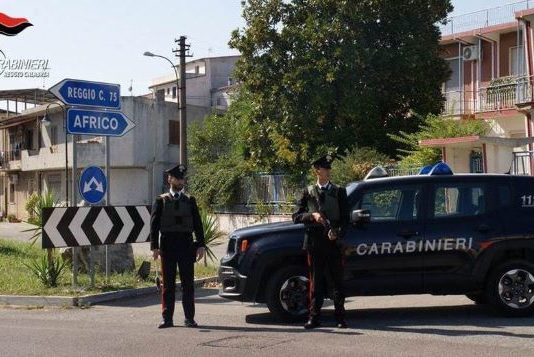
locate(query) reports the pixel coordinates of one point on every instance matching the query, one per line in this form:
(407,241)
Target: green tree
(217,154)
(335,73)
(434,127)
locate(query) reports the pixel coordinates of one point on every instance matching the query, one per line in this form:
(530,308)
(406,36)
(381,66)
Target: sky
(104,41)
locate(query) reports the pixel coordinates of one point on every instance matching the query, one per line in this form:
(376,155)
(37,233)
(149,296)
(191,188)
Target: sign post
(94,111)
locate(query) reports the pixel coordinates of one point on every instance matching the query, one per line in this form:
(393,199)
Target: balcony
(506,95)
(484,18)
(45,158)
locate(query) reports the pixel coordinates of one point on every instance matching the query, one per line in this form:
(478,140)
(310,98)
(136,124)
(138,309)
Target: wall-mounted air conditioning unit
(470,53)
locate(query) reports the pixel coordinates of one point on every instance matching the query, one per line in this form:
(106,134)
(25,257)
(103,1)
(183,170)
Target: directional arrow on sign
(93,181)
(89,94)
(81,226)
(98,122)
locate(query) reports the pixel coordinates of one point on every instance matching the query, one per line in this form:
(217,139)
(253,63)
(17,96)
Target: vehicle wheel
(510,288)
(287,293)
(478,298)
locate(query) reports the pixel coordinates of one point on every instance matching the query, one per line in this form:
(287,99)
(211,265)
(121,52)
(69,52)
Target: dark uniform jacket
(156,218)
(310,203)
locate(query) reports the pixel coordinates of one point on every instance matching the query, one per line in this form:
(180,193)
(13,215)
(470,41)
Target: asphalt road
(379,326)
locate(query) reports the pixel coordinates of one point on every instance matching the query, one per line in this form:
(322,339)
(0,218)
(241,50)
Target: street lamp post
(46,122)
(182,122)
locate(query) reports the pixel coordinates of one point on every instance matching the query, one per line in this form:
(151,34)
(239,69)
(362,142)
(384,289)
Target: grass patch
(17,279)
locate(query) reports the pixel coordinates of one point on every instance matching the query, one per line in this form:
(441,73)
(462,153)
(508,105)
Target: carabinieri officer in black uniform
(324,210)
(175,215)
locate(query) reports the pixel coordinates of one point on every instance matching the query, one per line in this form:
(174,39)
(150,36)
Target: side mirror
(360,216)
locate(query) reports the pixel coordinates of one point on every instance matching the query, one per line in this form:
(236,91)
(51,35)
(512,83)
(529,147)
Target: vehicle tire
(286,293)
(478,298)
(510,288)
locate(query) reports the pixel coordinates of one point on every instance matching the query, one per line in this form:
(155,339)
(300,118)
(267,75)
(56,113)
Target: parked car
(435,233)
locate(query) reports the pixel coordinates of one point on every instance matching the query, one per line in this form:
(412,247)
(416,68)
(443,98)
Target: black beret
(177,171)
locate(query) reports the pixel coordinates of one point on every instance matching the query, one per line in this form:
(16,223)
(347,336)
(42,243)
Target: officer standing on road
(175,214)
(323,209)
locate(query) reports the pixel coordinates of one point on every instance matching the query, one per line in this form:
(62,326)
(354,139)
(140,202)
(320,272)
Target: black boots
(312,322)
(165,324)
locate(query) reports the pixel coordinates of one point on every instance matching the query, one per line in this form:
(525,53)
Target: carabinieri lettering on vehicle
(411,246)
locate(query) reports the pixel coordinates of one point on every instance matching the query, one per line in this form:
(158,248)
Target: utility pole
(182,52)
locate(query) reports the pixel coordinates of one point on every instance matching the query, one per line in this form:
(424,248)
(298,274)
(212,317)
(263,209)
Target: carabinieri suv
(434,233)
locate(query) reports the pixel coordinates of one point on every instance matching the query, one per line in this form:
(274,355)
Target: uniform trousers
(177,250)
(325,260)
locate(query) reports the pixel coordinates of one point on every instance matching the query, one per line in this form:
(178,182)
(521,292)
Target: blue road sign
(93,184)
(89,94)
(97,122)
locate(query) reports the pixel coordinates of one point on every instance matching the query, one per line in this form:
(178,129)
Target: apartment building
(37,156)
(490,54)
(209,84)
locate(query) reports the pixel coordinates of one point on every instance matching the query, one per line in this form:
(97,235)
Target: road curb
(87,300)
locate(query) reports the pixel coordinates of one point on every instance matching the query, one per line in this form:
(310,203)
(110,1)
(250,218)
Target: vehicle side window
(454,200)
(391,204)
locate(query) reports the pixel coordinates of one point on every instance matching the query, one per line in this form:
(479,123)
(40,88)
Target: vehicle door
(460,219)
(381,257)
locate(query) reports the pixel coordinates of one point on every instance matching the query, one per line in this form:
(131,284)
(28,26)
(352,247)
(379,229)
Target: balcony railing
(489,99)
(484,18)
(523,163)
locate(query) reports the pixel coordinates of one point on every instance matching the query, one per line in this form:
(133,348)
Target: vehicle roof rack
(376,172)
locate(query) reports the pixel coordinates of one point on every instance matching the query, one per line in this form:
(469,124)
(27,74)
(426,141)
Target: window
(391,204)
(174,132)
(53,135)
(517,61)
(11,193)
(174,92)
(197,69)
(453,84)
(168,91)
(31,186)
(160,95)
(28,140)
(459,200)
(54,184)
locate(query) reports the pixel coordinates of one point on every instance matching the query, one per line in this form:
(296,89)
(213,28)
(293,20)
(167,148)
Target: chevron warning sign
(79,226)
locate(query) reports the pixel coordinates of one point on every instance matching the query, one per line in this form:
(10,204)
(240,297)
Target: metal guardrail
(484,18)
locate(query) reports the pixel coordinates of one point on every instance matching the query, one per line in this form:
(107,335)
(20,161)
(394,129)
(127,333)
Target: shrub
(47,269)
(356,164)
(30,207)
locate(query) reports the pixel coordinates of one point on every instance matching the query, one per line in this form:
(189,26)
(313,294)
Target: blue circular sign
(93,184)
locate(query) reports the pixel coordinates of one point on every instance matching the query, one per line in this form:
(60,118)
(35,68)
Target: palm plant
(44,200)
(53,266)
(212,233)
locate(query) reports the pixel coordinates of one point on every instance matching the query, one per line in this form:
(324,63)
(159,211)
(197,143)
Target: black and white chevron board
(80,226)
